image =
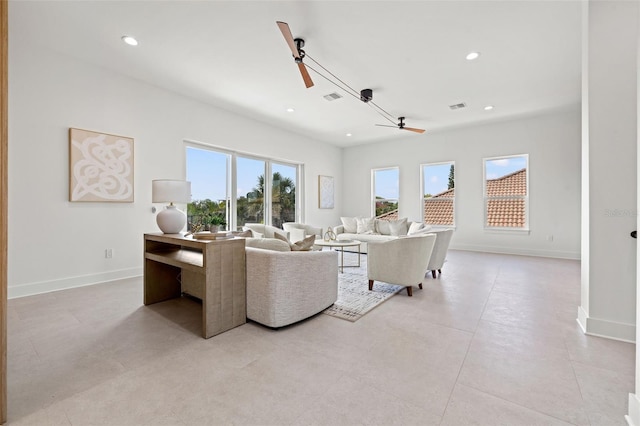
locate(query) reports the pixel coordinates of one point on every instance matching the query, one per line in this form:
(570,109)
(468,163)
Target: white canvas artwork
(325,192)
(100,167)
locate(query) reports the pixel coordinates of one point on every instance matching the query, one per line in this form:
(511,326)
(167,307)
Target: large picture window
(265,189)
(386,189)
(506,192)
(438,194)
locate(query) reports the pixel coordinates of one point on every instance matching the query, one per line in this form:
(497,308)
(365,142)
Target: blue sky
(207,172)
(436,178)
(503,166)
(387,184)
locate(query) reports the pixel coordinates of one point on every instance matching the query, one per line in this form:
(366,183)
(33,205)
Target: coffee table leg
(342,263)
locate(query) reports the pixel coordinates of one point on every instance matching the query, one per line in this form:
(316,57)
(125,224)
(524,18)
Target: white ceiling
(412,54)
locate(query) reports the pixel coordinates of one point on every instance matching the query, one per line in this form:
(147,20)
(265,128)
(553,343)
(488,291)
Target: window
(438,193)
(208,172)
(215,174)
(506,192)
(386,189)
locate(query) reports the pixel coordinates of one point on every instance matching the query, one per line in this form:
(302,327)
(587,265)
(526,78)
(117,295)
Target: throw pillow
(425,230)
(414,227)
(382,226)
(398,227)
(297,235)
(254,234)
(365,225)
(243,234)
(350,225)
(304,245)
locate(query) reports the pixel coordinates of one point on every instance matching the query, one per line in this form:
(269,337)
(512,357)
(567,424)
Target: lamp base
(171,220)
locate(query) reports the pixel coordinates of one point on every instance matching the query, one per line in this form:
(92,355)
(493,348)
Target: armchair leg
(420,286)
(433,273)
(409,291)
(370,285)
(439,271)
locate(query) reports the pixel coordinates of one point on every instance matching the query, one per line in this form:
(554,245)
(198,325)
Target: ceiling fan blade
(413,129)
(305,75)
(386,125)
(286,32)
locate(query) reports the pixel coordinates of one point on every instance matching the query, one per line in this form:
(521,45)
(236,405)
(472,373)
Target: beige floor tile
(606,393)
(472,407)
(492,340)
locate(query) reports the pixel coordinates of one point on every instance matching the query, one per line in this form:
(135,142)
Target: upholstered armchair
(402,261)
(439,254)
(298,231)
(260,230)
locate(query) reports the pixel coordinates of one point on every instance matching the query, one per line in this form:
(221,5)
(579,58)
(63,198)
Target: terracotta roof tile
(392,215)
(512,184)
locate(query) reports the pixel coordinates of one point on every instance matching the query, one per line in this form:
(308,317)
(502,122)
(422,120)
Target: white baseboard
(71,282)
(633,418)
(559,254)
(608,329)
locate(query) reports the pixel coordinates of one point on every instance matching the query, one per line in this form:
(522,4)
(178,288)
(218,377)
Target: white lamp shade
(170,191)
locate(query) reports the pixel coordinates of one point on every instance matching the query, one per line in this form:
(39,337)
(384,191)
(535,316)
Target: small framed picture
(325,192)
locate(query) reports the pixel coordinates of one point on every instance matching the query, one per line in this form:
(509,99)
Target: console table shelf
(213,271)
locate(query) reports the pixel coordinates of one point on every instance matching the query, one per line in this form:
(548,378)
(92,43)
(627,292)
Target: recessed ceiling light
(488,108)
(473,55)
(348,134)
(130,40)
(290,110)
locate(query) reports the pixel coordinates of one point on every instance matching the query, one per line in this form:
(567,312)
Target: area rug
(354,297)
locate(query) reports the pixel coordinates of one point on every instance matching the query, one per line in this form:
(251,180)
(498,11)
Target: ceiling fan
(401,126)
(296,46)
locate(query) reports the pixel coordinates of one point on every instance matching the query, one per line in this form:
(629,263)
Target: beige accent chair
(284,287)
(402,261)
(439,254)
(298,231)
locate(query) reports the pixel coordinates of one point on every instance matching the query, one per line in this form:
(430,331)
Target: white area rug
(354,297)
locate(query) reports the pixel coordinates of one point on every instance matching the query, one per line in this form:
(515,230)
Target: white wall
(56,244)
(608,306)
(553,144)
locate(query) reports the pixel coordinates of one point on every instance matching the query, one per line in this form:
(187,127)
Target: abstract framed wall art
(100,167)
(325,192)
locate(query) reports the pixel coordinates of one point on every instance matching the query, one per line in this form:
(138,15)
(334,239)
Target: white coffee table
(341,244)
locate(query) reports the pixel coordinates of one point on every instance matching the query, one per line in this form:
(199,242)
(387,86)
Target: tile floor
(493,341)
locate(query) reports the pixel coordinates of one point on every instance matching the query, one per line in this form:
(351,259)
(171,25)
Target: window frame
(232,180)
(373,189)
(505,229)
(422,199)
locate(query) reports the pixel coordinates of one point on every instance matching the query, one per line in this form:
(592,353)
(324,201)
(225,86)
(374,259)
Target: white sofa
(283,286)
(380,231)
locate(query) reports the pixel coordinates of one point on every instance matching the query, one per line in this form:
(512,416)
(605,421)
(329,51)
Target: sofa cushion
(415,227)
(424,230)
(365,225)
(267,244)
(382,226)
(350,224)
(398,227)
(304,245)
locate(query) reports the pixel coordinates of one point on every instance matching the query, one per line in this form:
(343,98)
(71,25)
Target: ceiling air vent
(332,96)
(458,106)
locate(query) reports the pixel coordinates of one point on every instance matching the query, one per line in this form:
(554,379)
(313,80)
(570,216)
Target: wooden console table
(213,271)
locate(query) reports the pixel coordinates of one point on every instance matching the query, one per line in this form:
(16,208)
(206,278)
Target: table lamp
(171,220)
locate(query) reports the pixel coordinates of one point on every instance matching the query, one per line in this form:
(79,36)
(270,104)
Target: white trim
(518,251)
(30,289)
(608,329)
(633,418)
(523,231)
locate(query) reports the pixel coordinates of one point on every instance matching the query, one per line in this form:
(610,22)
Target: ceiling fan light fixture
(131,41)
(472,56)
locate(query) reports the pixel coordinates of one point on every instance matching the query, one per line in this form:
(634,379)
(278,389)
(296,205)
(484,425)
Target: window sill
(441,227)
(516,231)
